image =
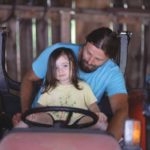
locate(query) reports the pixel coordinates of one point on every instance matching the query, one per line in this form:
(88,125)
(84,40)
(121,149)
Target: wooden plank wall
(52,23)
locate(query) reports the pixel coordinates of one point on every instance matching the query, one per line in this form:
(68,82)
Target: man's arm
(119,105)
(27,86)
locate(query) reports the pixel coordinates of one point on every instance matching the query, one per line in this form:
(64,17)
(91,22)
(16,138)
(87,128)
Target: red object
(136,101)
(50,140)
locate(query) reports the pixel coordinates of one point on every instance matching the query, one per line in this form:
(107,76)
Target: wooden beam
(37,12)
(65,26)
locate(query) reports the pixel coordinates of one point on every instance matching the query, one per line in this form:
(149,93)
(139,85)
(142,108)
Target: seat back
(121,60)
(9,100)
(123,53)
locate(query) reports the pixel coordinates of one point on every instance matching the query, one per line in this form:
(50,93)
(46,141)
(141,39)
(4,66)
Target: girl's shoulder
(83,84)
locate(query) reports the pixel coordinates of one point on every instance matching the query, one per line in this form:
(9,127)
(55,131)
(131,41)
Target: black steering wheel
(61,123)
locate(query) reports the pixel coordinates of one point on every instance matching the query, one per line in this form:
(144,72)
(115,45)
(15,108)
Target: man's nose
(90,60)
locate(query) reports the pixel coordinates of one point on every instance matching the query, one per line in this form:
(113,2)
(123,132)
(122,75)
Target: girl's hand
(102,117)
(102,123)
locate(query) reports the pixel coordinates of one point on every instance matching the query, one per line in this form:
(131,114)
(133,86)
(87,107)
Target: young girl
(63,88)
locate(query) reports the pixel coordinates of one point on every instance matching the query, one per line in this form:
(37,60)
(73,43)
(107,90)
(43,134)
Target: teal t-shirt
(107,78)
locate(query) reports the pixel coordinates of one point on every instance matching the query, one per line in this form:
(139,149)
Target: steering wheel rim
(62,124)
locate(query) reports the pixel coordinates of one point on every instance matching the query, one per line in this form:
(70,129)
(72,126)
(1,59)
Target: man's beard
(84,66)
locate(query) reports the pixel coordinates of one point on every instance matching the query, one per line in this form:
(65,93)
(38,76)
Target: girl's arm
(102,118)
(94,108)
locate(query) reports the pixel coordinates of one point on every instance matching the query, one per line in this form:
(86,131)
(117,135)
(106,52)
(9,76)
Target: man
(96,68)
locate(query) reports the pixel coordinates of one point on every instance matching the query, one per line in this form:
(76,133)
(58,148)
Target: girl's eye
(66,66)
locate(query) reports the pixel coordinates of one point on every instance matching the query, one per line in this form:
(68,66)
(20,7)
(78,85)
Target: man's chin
(84,67)
(87,70)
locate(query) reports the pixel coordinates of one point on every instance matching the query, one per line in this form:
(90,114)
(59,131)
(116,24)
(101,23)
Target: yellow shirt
(68,95)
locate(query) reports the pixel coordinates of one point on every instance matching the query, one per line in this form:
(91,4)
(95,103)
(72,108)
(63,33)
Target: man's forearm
(26,94)
(27,88)
(116,125)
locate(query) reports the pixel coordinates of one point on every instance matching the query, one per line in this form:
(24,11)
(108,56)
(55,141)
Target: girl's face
(63,69)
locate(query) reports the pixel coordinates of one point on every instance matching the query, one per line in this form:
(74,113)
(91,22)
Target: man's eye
(98,59)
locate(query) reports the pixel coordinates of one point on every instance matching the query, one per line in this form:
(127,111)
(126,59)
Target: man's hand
(16,119)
